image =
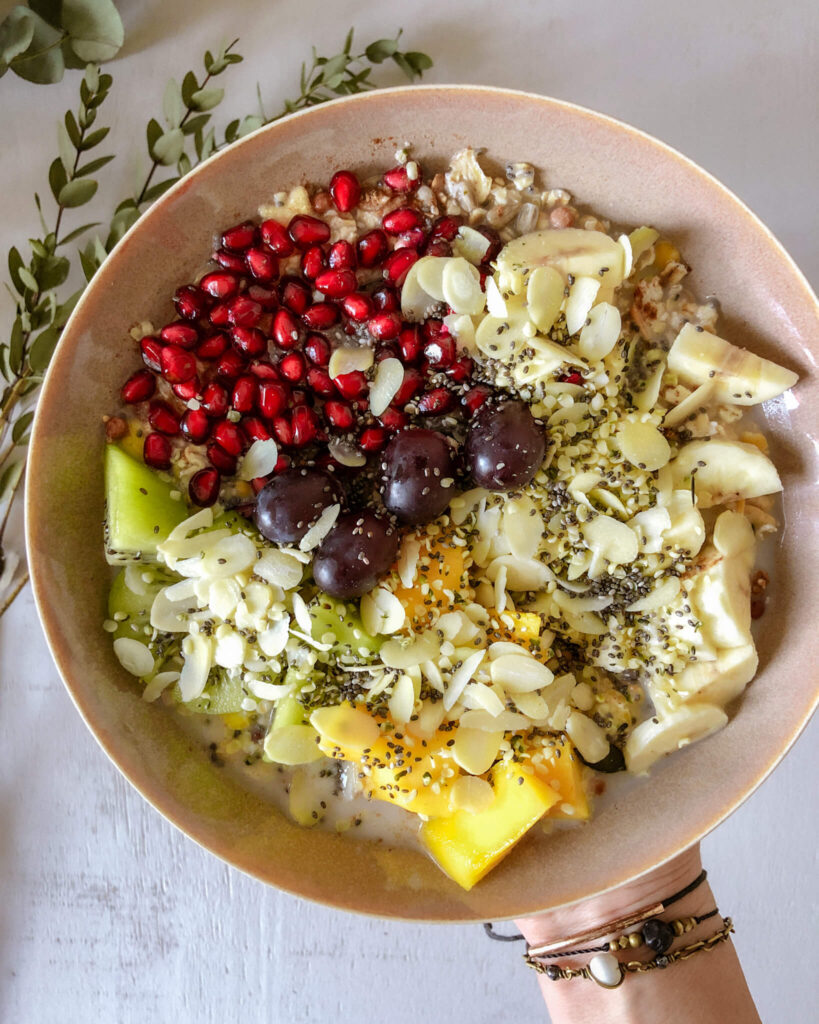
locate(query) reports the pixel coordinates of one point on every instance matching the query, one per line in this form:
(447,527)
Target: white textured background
(108,914)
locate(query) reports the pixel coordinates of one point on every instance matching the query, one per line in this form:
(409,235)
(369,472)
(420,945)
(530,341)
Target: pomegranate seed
(386,299)
(402,219)
(157,451)
(345,191)
(393,419)
(139,387)
(187,389)
(398,180)
(339,415)
(438,247)
(320,315)
(258,482)
(249,341)
(224,462)
(320,382)
(230,364)
(240,237)
(410,386)
(571,378)
(244,312)
(229,261)
(313,262)
(282,463)
(264,370)
(178,365)
(215,400)
(317,349)
(228,436)
(446,227)
(286,329)
(384,326)
(337,283)
(262,264)
(372,248)
(475,397)
(409,341)
(441,351)
(306,231)
(162,418)
(295,294)
(254,429)
(305,426)
(195,425)
(437,401)
(266,298)
(244,394)
(275,237)
(190,302)
(292,367)
(373,439)
(220,284)
(282,430)
(213,346)
(461,369)
(151,354)
(357,307)
(495,243)
(203,490)
(271,399)
(342,256)
(351,385)
(219,316)
(179,333)
(415,238)
(397,265)
(387,351)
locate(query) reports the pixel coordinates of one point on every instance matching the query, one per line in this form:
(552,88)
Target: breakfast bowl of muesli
(414,496)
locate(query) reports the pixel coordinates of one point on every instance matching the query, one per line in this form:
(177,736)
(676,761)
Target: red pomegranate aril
(342,256)
(151,354)
(215,400)
(230,365)
(351,385)
(410,386)
(373,439)
(339,415)
(475,397)
(495,243)
(571,378)
(271,398)
(397,265)
(317,349)
(357,307)
(345,191)
(282,430)
(220,284)
(437,247)
(461,369)
(213,346)
(156,451)
(440,352)
(264,370)
(335,284)
(292,367)
(275,237)
(398,180)
(219,316)
(295,294)
(313,262)
(254,429)
(162,418)
(258,482)
(262,264)
(409,341)
(446,227)
(228,436)
(249,341)
(240,237)
(386,299)
(244,312)
(229,261)
(393,419)
(139,387)
(403,219)
(190,302)
(306,231)
(415,238)
(436,401)
(286,329)
(203,490)
(372,248)
(178,365)
(221,459)
(187,389)
(305,425)
(244,394)
(320,315)
(179,333)
(195,425)
(384,326)
(319,381)
(389,350)
(266,297)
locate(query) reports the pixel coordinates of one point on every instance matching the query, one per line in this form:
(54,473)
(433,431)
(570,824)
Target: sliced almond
(402,700)
(520,674)
(260,460)
(134,656)
(582,296)
(461,283)
(293,744)
(405,653)
(471,794)
(382,612)
(345,727)
(545,293)
(587,736)
(475,750)
(431,276)
(644,446)
(460,677)
(600,332)
(389,376)
(348,359)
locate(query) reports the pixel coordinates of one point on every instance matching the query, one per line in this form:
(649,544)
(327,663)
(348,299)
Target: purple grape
(290,504)
(505,446)
(358,550)
(418,475)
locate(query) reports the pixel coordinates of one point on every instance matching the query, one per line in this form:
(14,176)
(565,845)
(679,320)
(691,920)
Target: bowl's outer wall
(621,174)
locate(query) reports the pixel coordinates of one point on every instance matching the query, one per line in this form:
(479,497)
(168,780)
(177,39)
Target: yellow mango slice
(467,846)
(441,566)
(564,774)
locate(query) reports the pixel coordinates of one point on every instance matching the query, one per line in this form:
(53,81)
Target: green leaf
(94,139)
(155,191)
(49,10)
(249,124)
(72,61)
(95,28)
(348,42)
(28,279)
(401,61)
(189,87)
(195,124)
(231,132)
(57,178)
(72,128)
(184,165)
(78,231)
(153,134)
(15,263)
(65,149)
(53,272)
(208,145)
(93,165)
(91,78)
(168,149)
(172,104)
(42,349)
(78,192)
(92,257)
(42,60)
(65,309)
(380,50)
(38,248)
(10,478)
(121,221)
(335,67)
(16,344)
(419,62)
(206,99)
(21,425)
(16,33)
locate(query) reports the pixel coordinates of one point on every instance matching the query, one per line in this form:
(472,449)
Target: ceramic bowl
(620,173)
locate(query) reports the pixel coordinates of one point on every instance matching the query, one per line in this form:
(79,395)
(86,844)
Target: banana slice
(720,681)
(724,471)
(657,737)
(687,530)
(742,377)
(721,597)
(569,250)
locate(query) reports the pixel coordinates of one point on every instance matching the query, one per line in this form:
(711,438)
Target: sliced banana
(720,681)
(657,737)
(641,240)
(742,377)
(570,251)
(724,471)
(721,597)
(687,530)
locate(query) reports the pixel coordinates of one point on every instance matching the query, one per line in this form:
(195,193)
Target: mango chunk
(441,566)
(467,846)
(563,772)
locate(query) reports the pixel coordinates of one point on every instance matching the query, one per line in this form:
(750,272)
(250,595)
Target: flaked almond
(345,727)
(475,750)
(520,674)
(471,794)
(134,656)
(348,359)
(461,284)
(460,677)
(405,653)
(544,295)
(644,446)
(582,296)
(389,376)
(382,612)
(402,700)
(587,736)
(319,530)
(600,332)
(260,460)
(293,744)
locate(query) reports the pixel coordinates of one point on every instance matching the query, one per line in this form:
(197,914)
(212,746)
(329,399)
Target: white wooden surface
(106,912)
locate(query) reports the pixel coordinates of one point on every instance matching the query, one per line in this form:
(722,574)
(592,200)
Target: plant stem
(12,398)
(10,599)
(9,505)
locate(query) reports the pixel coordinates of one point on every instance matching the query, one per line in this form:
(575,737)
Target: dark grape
(358,550)
(505,446)
(290,504)
(418,475)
